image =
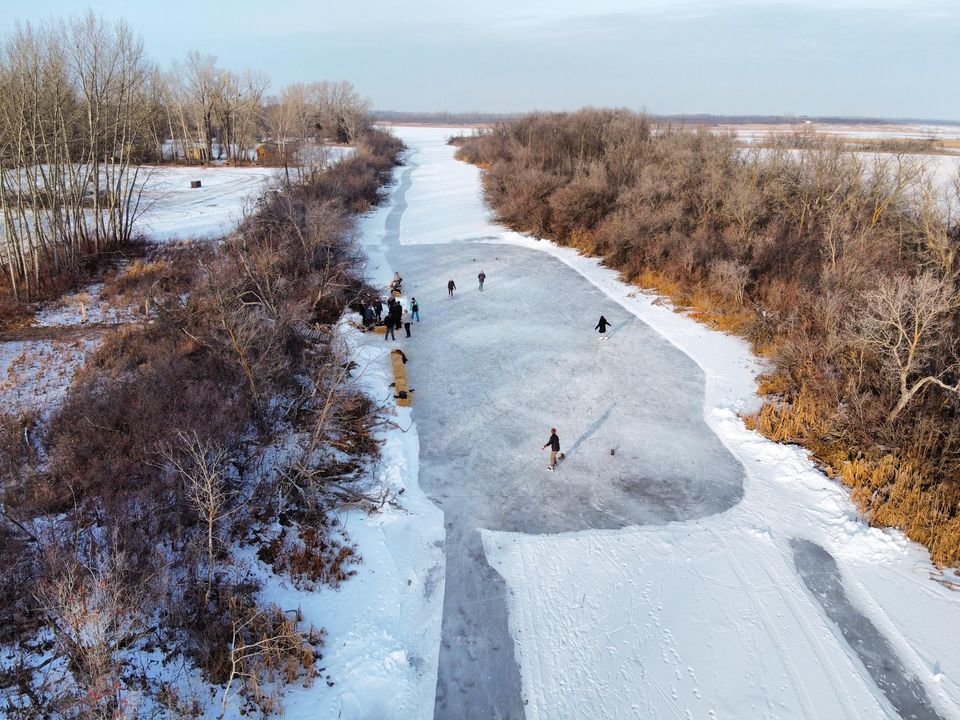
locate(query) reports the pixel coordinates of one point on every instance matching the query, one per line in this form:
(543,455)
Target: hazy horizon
(849,58)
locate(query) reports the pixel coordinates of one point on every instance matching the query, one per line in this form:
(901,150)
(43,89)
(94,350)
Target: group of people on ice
(398,317)
(451,285)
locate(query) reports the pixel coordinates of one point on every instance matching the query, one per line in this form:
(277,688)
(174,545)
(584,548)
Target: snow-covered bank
(383,624)
(709,617)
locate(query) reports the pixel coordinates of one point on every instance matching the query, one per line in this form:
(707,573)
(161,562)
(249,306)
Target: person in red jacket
(554,443)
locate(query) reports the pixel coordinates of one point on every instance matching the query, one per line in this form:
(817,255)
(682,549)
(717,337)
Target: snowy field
(872,131)
(701,571)
(172,210)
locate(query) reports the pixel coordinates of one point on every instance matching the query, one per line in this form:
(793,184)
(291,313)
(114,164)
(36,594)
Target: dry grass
(316,557)
(895,492)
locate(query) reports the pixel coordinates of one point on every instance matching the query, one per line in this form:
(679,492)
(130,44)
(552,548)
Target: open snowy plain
(676,566)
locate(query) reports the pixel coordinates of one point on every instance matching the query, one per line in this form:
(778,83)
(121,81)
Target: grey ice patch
(432,581)
(820,574)
(416,663)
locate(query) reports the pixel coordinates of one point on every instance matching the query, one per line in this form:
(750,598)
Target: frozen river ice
(661,571)
(496,370)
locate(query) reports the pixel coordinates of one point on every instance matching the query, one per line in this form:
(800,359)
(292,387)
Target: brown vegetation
(841,266)
(155,466)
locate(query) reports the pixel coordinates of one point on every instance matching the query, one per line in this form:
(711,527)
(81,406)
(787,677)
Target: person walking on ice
(451,286)
(554,443)
(414,309)
(481,277)
(602,327)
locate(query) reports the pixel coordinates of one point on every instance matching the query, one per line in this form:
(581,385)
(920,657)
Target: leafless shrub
(908,322)
(730,278)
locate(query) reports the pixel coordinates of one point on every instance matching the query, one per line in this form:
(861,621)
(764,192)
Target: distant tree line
(442,118)
(82,108)
(842,266)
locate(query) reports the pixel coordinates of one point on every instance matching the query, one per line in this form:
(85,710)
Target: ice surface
(820,574)
(497,369)
(698,612)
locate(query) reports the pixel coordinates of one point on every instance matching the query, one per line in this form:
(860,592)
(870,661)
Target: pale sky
(867,58)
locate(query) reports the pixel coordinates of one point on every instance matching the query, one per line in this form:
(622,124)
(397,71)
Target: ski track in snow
(704,617)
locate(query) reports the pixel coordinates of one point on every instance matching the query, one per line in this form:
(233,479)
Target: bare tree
(202,468)
(97,609)
(261,641)
(907,322)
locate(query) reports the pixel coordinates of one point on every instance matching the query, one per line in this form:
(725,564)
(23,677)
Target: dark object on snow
(602,325)
(395,314)
(402,356)
(481,277)
(553,441)
(613,451)
(194,183)
(451,286)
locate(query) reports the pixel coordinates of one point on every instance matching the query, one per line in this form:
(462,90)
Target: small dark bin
(194,183)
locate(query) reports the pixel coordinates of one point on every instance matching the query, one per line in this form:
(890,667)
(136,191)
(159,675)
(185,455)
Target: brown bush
(316,557)
(785,247)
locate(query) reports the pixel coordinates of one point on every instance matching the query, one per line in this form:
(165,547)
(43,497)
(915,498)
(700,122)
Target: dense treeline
(841,266)
(163,458)
(82,108)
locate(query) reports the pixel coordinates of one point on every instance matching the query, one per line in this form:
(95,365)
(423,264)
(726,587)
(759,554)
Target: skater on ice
(451,286)
(481,277)
(602,327)
(554,443)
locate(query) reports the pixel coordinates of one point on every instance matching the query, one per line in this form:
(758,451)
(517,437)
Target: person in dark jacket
(554,443)
(481,277)
(378,309)
(602,327)
(451,286)
(415,309)
(396,311)
(388,332)
(367,317)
